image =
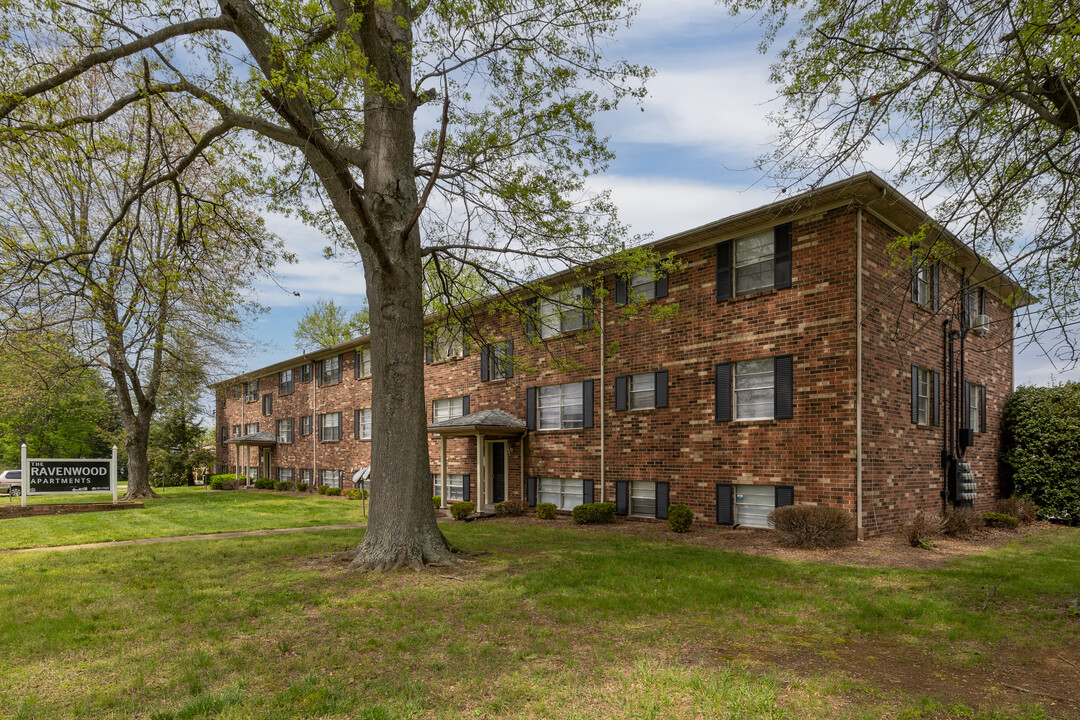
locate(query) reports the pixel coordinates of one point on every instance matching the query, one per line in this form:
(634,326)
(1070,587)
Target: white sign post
(25,476)
(112,473)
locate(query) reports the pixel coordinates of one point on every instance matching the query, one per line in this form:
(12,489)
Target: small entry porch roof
(497,423)
(264,438)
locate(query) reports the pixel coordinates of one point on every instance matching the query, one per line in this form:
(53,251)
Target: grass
(182,511)
(547,622)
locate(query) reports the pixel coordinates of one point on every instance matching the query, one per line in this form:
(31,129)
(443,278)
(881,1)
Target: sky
(684,158)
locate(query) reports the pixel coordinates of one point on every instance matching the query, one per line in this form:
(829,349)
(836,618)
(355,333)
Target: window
(753,264)
(224,433)
(305,425)
(236,430)
(447,408)
(236,391)
(330,370)
(643,286)
(562,316)
(642,391)
(446,343)
(305,475)
(975,407)
(924,285)
(251,428)
(643,499)
(455,487)
(565,494)
(330,426)
(754,389)
(924,395)
(305,373)
(253,472)
(363,361)
(363,424)
(285,431)
(285,474)
(268,404)
(561,406)
(497,361)
(332,478)
(286,383)
(251,391)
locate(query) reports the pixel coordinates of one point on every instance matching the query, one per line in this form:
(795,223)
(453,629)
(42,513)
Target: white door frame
(489,470)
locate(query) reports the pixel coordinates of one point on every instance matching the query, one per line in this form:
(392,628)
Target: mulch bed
(14,511)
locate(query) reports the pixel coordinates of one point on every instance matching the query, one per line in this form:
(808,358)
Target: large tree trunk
(138,464)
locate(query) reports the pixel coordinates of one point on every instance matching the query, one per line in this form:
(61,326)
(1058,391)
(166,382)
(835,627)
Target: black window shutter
(915,394)
(784,397)
(937,286)
(723,392)
(340,365)
(622,497)
(660,389)
(587,402)
(356,365)
(663,491)
(530,317)
(785,495)
(725,510)
(982,408)
(319,431)
(587,310)
(620,393)
(318,373)
(530,492)
(356,424)
(485,353)
(723,271)
(936,400)
(530,408)
(509,367)
(661,285)
(915,284)
(466,491)
(427,354)
(464,404)
(782,256)
(587,490)
(982,301)
(621,291)
(466,337)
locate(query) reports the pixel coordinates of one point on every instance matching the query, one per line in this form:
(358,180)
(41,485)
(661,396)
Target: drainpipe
(859,529)
(946,454)
(314,432)
(603,408)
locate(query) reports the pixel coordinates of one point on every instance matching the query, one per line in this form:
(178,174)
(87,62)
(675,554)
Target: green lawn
(182,511)
(541,622)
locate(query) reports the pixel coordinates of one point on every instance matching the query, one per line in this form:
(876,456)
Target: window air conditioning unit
(980,323)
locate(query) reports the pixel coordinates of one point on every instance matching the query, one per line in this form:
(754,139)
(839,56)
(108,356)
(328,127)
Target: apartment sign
(69,476)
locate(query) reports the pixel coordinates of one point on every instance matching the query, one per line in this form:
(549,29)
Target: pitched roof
(264,437)
(497,421)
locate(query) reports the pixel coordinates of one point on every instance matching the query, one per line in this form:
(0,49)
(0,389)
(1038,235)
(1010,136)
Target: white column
(25,477)
(238,463)
(479,472)
(442,469)
(112,473)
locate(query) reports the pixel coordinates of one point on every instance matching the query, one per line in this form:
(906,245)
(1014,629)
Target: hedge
(594,513)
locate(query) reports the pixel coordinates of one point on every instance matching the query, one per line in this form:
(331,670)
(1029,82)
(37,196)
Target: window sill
(330,441)
(555,430)
(756,421)
(751,295)
(329,384)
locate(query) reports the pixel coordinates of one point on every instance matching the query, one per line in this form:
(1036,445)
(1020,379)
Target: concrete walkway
(206,536)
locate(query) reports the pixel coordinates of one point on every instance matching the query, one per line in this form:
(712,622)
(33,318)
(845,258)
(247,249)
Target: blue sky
(685,158)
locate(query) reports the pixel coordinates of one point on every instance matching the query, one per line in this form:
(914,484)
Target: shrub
(918,532)
(301,487)
(511,508)
(322,489)
(1021,508)
(1041,427)
(216,483)
(437,502)
(811,526)
(283,486)
(960,522)
(594,513)
(356,494)
(546,511)
(333,491)
(680,517)
(264,484)
(462,510)
(1000,520)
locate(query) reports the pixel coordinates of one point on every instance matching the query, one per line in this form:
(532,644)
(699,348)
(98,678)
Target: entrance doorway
(264,464)
(496,452)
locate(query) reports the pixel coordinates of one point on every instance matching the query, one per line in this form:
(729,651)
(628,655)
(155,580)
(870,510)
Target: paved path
(205,536)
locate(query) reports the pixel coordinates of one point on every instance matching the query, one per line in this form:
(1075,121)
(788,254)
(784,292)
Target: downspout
(314,433)
(603,407)
(946,451)
(859,529)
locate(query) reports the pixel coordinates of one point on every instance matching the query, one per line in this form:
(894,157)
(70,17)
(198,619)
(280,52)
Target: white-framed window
(447,342)
(642,391)
(560,406)
(330,426)
(447,408)
(563,315)
(331,478)
(565,494)
(268,404)
(974,406)
(643,499)
(305,425)
(363,428)
(305,372)
(363,361)
(330,370)
(224,433)
(643,286)
(755,389)
(285,431)
(285,474)
(286,382)
(455,486)
(754,262)
(253,472)
(305,475)
(236,431)
(926,396)
(251,391)
(499,360)
(251,428)
(923,292)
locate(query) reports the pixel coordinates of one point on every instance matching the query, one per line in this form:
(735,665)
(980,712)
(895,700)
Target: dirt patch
(890,550)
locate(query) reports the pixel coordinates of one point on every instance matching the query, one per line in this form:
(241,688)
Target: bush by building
(546,511)
(462,510)
(960,522)
(1023,509)
(812,526)
(594,513)
(1001,521)
(510,508)
(680,517)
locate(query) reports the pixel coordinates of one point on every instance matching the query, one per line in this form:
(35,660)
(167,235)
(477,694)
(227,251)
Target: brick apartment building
(802,365)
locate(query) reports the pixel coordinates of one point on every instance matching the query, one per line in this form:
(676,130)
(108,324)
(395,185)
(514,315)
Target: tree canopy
(326,323)
(973,108)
